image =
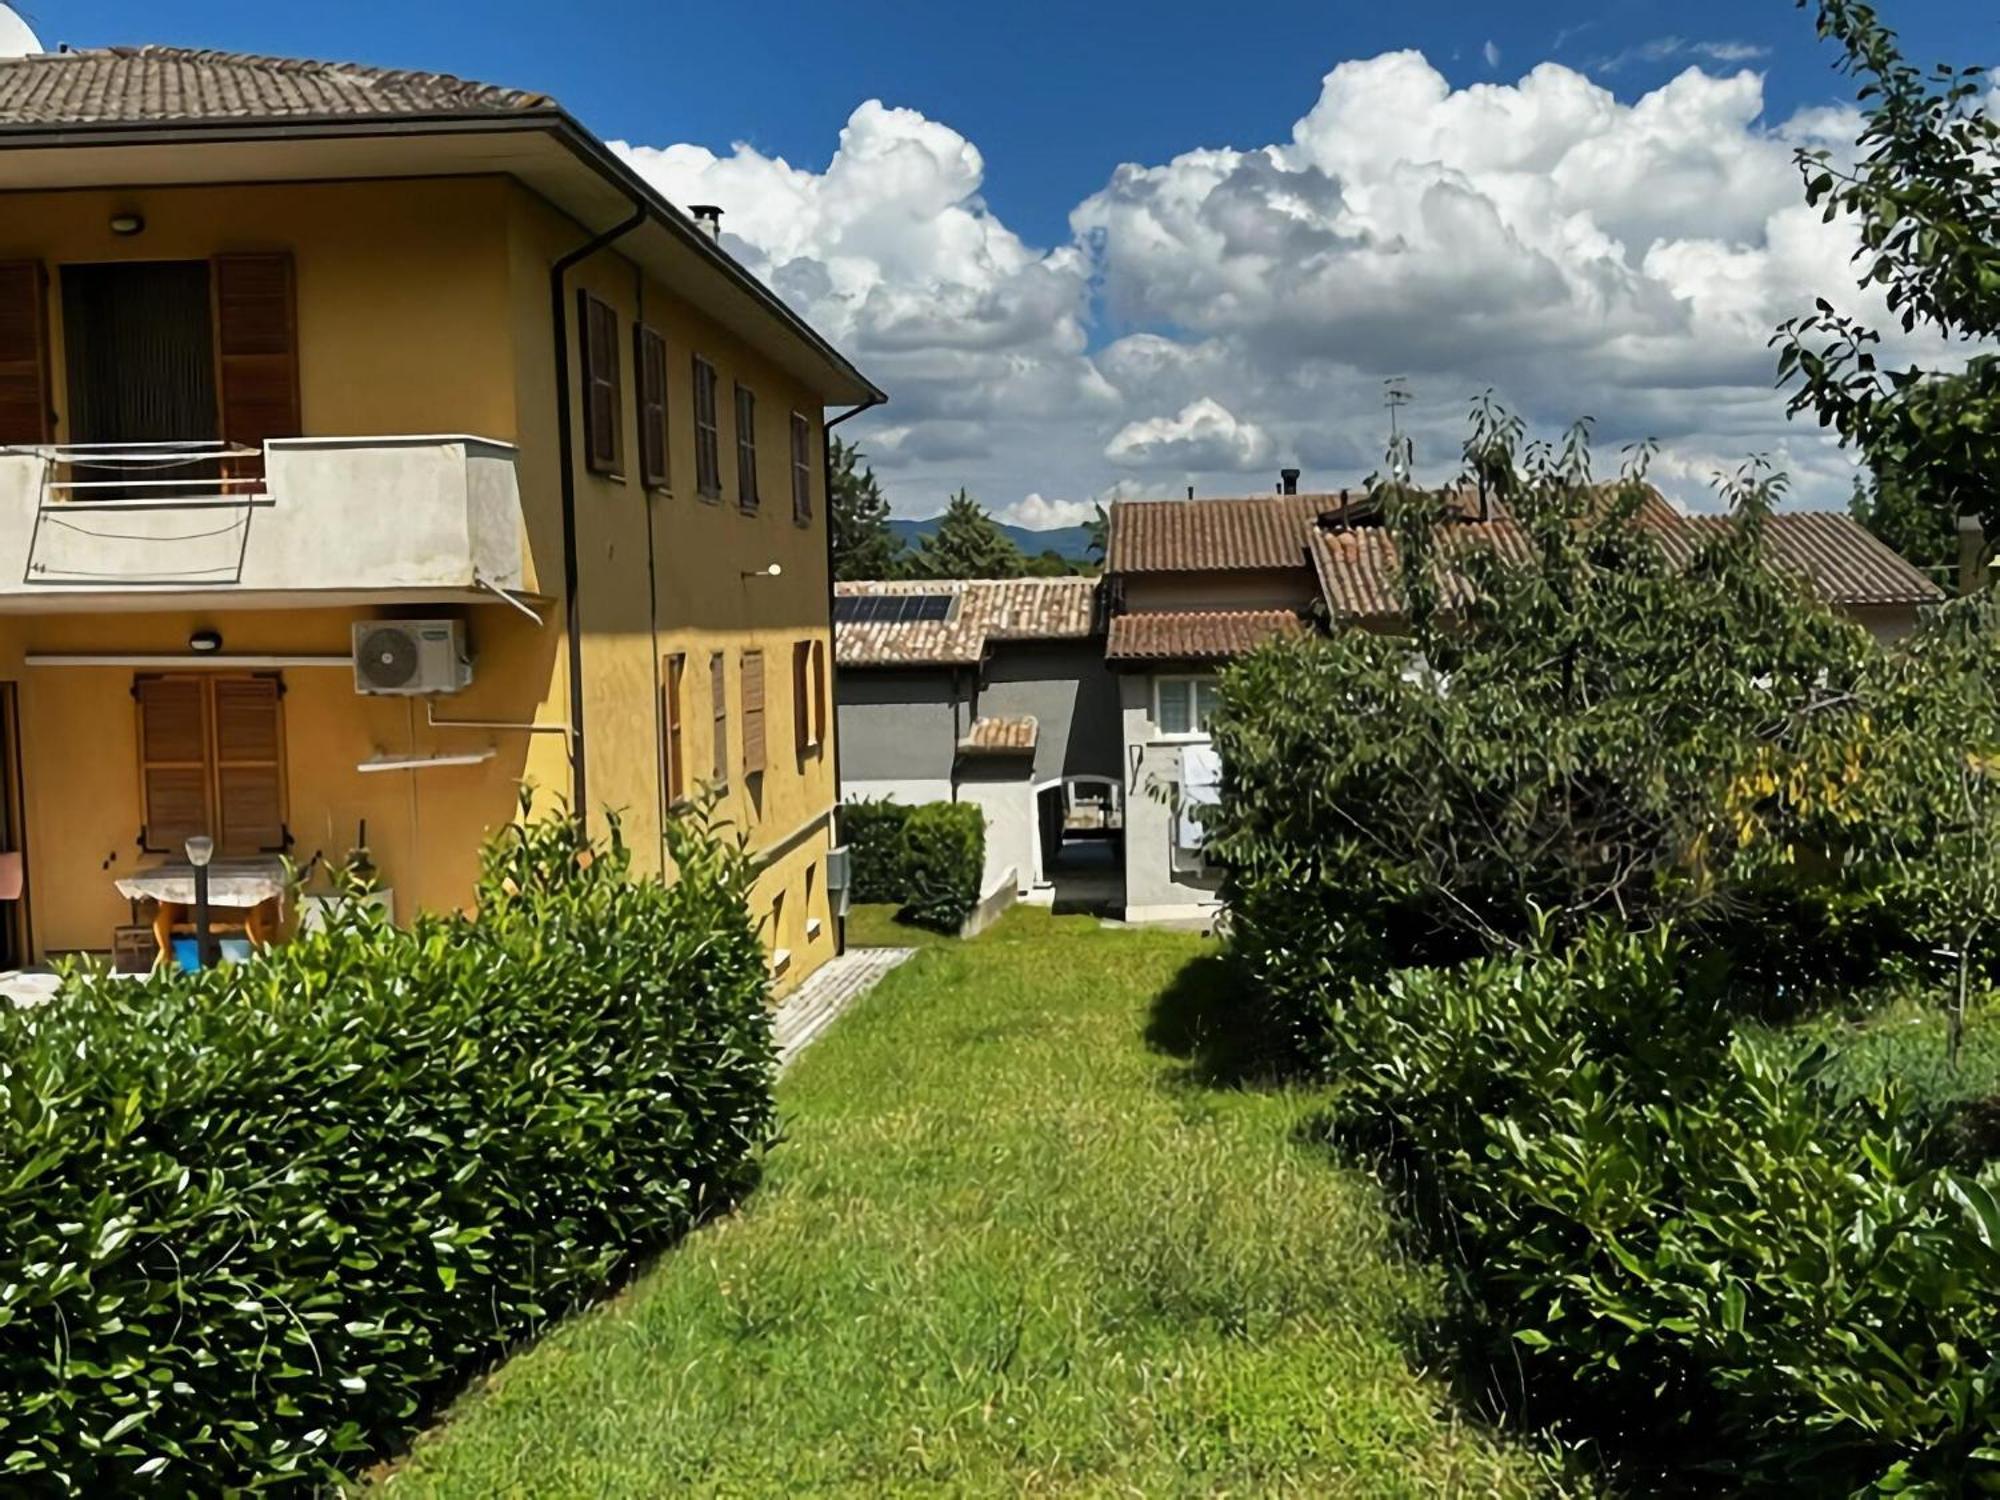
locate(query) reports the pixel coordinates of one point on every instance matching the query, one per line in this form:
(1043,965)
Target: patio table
(255,887)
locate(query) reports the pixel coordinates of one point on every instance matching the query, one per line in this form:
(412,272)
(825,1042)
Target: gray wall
(897,725)
(1073,696)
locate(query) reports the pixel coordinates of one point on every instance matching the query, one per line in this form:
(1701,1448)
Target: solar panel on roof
(891,609)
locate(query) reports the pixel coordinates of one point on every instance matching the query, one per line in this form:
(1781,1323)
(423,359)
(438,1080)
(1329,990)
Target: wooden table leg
(165,914)
(259,922)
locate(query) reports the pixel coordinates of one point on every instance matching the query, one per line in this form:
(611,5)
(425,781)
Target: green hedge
(926,858)
(1704,1253)
(943,855)
(873,833)
(255,1224)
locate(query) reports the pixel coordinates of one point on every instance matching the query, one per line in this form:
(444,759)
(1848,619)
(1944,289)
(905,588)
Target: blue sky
(1114,248)
(1054,93)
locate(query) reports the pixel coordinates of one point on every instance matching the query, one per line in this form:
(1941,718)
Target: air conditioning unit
(410,657)
(839,878)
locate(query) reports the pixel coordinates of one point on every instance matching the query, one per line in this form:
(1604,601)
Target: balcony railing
(415,517)
(90,493)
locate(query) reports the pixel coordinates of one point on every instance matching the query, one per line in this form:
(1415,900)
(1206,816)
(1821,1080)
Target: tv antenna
(1396,395)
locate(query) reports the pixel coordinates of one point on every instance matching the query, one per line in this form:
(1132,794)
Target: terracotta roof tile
(1845,564)
(1000,736)
(143,85)
(981,610)
(1199,536)
(1196,635)
(1844,561)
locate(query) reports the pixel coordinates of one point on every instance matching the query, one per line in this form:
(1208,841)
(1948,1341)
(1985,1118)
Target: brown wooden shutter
(256,341)
(753,712)
(801,704)
(173,761)
(650,362)
(597,327)
(802,504)
(24,353)
(718,691)
(249,766)
(707,433)
(676,669)
(747,496)
(819,693)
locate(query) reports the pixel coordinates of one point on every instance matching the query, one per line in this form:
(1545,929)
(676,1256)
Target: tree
(1907,521)
(1924,196)
(1099,527)
(1048,563)
(966,544)
(863,544)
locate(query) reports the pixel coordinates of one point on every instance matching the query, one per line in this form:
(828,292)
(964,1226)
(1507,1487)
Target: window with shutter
(746,449)
(753,713)
(597,327)
(650,363)
(718,694)
(211,761)
(676,670)
(256,341)
(24,353)
(707,433)
(802,481)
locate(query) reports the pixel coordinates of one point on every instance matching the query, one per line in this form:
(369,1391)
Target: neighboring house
(986,691)
(289,348)
(1192,584)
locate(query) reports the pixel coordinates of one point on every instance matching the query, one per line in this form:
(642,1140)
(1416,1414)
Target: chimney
(1288,481)
(709,217)
(1972,555)
(1190,492)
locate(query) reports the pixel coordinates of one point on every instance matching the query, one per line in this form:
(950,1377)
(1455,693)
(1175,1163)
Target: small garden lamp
(200,850)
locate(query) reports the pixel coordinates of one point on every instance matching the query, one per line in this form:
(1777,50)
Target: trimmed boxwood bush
(926,858)
(1699,1248)
(943,855)
(873,833)
(255,1224)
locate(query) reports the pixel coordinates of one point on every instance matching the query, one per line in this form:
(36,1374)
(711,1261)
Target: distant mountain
(1072,542)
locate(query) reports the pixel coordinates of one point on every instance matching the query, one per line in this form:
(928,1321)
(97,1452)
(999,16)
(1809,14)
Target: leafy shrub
(873,833)
(943,855)
(255,1223)
(1733,1271)
(1586,727)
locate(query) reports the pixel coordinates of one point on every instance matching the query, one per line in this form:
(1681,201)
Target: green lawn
(1011,1245)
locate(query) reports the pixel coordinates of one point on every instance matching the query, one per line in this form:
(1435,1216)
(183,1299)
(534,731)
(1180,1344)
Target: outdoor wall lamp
(205,641)
(128,223)
(773,571)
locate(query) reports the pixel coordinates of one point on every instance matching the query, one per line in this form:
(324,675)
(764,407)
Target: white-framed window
(1183,706)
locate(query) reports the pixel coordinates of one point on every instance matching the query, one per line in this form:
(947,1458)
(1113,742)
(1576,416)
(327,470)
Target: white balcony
(348,519)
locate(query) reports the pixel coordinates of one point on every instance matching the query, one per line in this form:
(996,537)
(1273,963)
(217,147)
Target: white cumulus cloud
(1039,513)
(1202,438)
(1232,309)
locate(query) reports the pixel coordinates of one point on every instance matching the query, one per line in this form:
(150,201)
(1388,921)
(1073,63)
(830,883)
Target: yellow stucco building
(288,349)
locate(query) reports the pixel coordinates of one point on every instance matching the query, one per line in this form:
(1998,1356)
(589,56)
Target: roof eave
(846,385)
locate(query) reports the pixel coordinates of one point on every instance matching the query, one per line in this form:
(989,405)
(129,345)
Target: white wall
(1003,789)
(1161,885)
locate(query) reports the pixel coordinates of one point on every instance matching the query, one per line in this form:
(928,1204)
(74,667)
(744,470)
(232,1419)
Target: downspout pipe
(579,775)
(832,652)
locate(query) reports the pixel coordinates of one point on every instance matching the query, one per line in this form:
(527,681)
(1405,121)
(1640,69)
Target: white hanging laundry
(1201,787)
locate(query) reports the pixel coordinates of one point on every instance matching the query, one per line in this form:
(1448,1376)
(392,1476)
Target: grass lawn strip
(1008,1248)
